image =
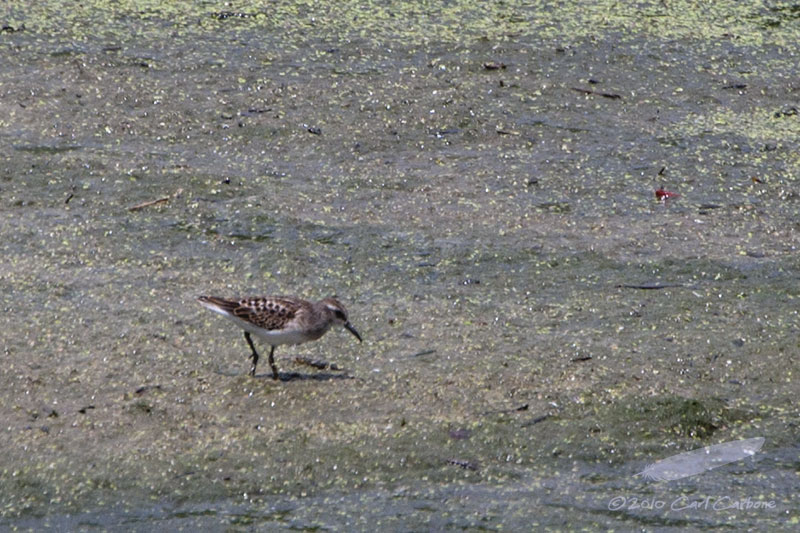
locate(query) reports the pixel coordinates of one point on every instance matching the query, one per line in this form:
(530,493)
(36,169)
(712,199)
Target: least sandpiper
(280,320)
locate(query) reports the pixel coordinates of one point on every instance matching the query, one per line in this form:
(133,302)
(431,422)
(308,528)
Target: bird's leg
(254,355)
(272,363)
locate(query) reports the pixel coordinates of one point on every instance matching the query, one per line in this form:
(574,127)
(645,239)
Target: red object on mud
(662,194)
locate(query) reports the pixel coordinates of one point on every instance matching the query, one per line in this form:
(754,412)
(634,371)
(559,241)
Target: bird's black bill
(352,330)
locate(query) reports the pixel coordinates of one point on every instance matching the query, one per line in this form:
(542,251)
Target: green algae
(421,23)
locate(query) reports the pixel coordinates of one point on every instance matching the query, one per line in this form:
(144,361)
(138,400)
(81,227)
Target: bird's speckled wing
(268,313)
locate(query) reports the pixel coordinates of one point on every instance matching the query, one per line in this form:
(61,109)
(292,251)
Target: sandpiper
(280,320)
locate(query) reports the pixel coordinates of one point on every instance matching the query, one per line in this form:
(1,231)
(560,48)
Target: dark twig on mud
(467,465)
(163,200)
(71,195)
(521,408)
(145,388)
(535,421)
(613,96)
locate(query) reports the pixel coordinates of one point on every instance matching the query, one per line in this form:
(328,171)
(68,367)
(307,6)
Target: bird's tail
(219,305)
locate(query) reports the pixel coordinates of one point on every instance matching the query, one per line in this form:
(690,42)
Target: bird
(280,320)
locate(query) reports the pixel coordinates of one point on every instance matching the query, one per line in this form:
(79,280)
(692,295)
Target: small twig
(145,388)
(467,465)
(425,352)
(535,421)
(71,195)
(163,200)
(613,96)
(581,358)
(521,408)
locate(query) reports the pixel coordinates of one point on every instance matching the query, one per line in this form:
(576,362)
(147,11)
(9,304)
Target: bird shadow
(292,376)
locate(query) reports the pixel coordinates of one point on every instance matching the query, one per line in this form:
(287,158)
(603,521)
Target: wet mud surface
(477,184)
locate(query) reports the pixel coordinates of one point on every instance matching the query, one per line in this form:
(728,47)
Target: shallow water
(494,233)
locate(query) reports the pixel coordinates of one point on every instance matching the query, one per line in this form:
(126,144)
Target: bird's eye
(339,314)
